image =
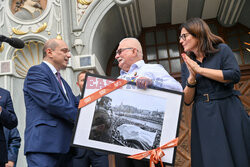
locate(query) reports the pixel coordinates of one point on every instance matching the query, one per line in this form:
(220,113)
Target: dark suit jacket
(8,119)
(13,141)
(50,115)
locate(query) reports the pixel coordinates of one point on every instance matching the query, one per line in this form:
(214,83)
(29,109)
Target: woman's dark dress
(217,134)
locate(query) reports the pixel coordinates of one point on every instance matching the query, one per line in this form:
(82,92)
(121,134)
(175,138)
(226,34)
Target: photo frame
(128,120)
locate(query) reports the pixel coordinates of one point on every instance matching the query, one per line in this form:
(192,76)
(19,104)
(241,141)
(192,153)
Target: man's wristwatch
(191,85)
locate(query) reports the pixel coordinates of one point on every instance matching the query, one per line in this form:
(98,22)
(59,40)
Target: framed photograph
(128,120)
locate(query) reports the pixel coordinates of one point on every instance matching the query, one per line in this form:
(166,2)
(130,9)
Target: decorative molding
(17,20)
(77,21)
(229,12)
(51,17)
(123,3)
(84,2)
(2,47)
(24,58)
(41,28)
(78,45)
(19,32)
(130,17)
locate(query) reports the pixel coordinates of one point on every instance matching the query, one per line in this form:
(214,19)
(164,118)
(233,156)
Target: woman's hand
(192,67)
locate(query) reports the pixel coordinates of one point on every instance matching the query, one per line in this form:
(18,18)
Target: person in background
(51,108)
(209,73)
(13,141)
(8,119)
(85,157)
(130,58)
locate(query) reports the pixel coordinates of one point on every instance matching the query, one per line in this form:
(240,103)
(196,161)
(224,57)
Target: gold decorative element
(18,32)
(84,2)
(40,29)
(49,33)
(25,58)
(2,47)
(247,44)
(59,37)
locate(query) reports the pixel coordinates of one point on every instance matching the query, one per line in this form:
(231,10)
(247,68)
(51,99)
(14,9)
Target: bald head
(57,53)
(133,43)
(128,52)
(51,43)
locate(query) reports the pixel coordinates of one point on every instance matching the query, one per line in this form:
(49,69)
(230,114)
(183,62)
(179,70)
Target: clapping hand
(192,66)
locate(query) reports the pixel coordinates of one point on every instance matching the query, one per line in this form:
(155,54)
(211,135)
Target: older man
(130,58)
(133,68)
(51,108)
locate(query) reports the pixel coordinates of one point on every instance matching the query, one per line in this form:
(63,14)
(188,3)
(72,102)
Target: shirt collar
(53,69)
(134,66)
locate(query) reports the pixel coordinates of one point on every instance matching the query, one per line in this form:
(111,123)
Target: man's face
(80,81)
(60,55)
(125,55)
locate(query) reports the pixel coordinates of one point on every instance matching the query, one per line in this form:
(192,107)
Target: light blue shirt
(156,72)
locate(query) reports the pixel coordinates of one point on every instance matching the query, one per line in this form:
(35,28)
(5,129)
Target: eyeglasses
(184,36)
(65,50)
(119,51)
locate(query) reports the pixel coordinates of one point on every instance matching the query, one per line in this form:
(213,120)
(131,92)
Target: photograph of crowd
(128,119)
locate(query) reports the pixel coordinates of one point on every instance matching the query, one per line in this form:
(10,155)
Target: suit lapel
(54,79)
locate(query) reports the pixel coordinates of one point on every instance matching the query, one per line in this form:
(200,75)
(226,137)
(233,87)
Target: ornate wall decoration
(28,9)
(2,47)
(248,49)
(13,23)
(82,6)
(56,18)
(30,55)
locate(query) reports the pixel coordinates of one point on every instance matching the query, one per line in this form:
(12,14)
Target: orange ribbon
(155,154)
(246,43)
(98,94)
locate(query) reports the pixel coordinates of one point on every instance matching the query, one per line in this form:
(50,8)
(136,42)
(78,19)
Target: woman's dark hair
(207,41)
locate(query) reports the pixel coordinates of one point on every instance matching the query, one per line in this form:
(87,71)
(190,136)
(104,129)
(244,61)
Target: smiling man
(51,108)
(130,58)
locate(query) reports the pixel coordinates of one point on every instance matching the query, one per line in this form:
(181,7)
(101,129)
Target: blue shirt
(156,72)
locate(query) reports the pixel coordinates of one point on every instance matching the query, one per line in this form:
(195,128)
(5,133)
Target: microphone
(14,42)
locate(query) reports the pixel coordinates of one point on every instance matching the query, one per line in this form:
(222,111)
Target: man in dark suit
(85,157)
(51,108)
(13,141)
(8,119)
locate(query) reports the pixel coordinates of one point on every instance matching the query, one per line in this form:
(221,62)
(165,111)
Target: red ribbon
(155,154)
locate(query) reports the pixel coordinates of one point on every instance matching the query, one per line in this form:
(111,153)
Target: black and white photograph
(128,120)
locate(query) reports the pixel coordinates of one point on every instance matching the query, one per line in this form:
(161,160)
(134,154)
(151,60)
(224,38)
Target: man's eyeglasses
(184,36)
(119,51)
(65,50)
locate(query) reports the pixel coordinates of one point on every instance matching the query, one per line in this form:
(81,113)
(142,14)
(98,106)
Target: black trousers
(121,161)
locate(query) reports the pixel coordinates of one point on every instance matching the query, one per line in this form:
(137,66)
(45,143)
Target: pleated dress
(218,137)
